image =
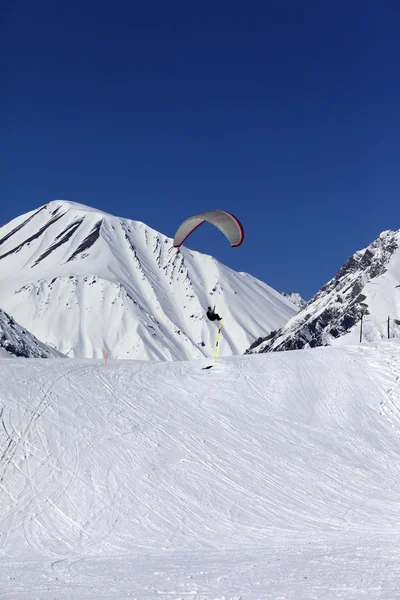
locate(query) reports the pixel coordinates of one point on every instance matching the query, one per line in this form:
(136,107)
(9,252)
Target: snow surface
(88,283)
(266,476)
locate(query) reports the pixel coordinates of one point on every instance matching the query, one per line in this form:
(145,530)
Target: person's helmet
(209,308)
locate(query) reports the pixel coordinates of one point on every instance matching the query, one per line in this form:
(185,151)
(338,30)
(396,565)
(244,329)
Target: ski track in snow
(267,476)
(357,569)
(390,379)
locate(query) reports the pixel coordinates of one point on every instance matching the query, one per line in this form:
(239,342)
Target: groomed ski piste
(266,476)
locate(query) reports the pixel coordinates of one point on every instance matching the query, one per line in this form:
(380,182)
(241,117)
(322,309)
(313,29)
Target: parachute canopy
(230,226)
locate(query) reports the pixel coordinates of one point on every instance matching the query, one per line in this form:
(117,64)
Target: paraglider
(232,229)
(227,223)
(212,315)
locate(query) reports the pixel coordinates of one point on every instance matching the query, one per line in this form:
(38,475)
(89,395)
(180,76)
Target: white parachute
(227,223)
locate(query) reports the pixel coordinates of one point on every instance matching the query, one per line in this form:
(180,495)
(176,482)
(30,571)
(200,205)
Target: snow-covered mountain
(295,299)
(366,288)
(16,341)
(88,283)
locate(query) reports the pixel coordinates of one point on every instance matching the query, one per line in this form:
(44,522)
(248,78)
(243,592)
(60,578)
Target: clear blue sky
(284,113)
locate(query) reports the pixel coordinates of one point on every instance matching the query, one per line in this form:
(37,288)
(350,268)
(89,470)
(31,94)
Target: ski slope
(266,476)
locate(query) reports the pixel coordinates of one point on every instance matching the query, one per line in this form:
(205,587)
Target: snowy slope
(16,341)
(367,286)
(89,283)
(268,476)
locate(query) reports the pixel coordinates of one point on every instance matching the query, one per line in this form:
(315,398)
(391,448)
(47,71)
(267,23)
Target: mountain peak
(295,298)
(88,283)
(74,210)
(365,287)
(65,205)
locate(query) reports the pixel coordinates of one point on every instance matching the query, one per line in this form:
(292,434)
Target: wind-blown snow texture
(16,341)
(367,285)
(268,476)
(89,283)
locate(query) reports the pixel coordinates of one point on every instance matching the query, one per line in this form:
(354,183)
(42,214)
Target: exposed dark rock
(338,306)
(32,237)
(11,233)
(19,342)
(61,238)
(88,241)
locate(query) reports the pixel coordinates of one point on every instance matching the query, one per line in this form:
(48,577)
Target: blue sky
(284,113)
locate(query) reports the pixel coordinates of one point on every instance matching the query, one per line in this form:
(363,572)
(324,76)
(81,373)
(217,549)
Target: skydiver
(212,315)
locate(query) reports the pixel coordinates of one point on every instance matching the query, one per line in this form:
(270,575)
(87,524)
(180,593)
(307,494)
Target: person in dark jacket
(212,315)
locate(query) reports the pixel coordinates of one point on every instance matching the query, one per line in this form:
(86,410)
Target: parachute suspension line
(217,341)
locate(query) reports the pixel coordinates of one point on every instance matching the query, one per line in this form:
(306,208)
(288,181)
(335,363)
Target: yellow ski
(217,342)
